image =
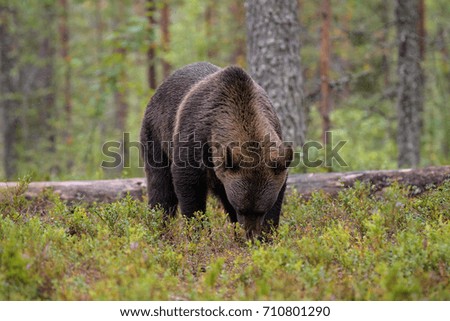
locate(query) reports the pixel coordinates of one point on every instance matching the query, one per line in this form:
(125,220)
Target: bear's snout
(252,222)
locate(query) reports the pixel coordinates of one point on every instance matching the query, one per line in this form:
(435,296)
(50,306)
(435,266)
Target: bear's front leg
(191,189)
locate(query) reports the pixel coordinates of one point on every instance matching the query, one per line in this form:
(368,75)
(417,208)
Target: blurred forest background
(76,74)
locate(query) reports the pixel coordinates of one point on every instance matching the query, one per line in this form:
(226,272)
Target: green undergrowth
(356,246)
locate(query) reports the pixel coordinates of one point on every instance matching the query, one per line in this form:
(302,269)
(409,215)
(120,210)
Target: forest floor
(355,246)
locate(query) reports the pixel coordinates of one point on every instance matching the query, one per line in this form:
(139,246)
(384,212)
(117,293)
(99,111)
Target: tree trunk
(273,42)
(386,20)
(120,87)
(151,53)
(64,35)
(165,37)
(420,180)
(44,82)
(325,68)
(120,81)
(411,83)
(238,13)
(120,96)
(67,83)
(421,29)
(36,86)
(442,42)
(210,17)
(9,104)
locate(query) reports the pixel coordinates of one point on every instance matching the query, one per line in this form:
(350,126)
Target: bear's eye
(278,170)
(276,167)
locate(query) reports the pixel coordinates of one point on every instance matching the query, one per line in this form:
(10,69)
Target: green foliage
(356,246)
(108,43)
(363,112)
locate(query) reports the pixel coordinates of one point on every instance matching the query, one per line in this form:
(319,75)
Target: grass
(351,247)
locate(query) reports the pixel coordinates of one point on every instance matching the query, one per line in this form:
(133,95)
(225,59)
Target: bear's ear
(288,153)
(284,155)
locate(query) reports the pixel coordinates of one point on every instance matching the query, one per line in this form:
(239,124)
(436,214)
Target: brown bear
(213,129)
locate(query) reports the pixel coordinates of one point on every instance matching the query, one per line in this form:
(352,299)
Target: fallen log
(86,191)
(305,184)
(419,179)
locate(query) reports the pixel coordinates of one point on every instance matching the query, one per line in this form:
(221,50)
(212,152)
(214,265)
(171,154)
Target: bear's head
(253,174)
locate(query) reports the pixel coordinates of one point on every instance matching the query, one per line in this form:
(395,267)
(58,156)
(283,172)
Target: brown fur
(225,137)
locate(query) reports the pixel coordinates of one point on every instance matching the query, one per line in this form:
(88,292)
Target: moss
(352,247)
